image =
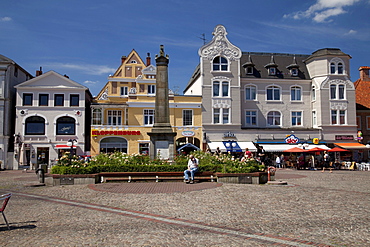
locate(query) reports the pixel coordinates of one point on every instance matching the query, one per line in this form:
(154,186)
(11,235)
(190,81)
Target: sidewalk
(315,209)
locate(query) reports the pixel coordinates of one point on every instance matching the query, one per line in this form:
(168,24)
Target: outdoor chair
(5,198)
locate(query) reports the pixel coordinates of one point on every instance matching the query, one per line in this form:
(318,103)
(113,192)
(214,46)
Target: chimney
(364,73)
(39,72)
(123,59)
(148,59)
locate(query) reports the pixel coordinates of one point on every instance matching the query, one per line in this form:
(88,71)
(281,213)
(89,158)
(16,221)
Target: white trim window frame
(148,117)
(336,66)
(337,91)
(273,93)
(220,63)
(124,91)
(295,93)
(250,92)
(221,115)
(338,117)
(273,118)
(114,117)
(297,117)
(151,89)
(251,118)
(220,88)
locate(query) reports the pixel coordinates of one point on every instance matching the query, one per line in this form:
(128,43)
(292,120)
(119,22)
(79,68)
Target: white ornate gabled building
(263,98)
(50,110)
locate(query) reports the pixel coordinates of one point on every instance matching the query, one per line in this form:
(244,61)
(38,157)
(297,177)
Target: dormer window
(220,64)
(249,70)
(272,71)
(294,72)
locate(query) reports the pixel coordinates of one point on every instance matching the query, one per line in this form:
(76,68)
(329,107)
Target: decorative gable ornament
(104,95)
(220,46)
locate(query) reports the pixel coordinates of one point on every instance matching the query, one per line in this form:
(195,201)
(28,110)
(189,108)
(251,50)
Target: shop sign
(188,133)
(343,137)
(291,139)
(114,132)
(229,134)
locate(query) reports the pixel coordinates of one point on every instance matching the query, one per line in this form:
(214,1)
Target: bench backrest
(4,198)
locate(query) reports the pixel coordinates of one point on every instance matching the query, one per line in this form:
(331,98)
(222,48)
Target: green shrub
(120,162)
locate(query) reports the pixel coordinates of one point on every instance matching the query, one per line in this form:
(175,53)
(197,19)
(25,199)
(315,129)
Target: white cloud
(90,82)
(6,18)
(322,10)
(350,32)
(84,68)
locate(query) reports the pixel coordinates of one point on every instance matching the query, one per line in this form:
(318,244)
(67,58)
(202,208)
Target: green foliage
(120,162)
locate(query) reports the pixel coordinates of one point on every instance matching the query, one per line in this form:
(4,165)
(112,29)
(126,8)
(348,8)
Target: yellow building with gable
(123,111)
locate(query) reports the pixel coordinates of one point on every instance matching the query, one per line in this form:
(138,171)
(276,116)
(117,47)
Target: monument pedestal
(163,144)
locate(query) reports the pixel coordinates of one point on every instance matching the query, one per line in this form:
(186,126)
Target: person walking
(326,162)
(193,167)
(278,161)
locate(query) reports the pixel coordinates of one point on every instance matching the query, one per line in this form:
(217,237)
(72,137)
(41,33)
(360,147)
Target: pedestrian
(278,161)
(248,153)
(261,155)
(218,151)
(326,162)
(193,167)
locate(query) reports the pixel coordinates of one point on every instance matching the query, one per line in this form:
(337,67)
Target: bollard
(270,171)
(41,175)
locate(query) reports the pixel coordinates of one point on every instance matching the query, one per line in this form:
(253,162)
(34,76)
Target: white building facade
(273,98)
(50,111)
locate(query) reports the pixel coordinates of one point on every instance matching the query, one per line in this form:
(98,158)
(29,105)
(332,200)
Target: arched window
(66,126)
(220,90)
(337,91)
(250,92)
(340,68)
(220,64)
(295,94)
(35,126)
(273,118)
(113,144)
(332,68)
(273,93)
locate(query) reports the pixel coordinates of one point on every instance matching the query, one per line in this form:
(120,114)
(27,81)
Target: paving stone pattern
(314,209)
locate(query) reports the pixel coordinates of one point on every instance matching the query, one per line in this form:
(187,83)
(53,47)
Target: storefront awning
(283,147)
(63,146)
(351,145)
(232,146)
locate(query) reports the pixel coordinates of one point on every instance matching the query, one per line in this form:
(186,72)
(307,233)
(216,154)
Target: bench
(151,176)
(5,198)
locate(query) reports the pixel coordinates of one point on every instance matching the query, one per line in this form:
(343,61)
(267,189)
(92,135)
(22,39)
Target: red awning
(63,146)
(351,145)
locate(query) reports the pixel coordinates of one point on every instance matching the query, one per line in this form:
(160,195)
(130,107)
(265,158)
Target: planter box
(56,179)
(242,178)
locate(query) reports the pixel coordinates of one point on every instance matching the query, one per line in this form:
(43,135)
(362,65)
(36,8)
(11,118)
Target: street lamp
(70,143)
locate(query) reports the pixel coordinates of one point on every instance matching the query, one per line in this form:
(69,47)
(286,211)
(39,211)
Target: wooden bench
(151,176)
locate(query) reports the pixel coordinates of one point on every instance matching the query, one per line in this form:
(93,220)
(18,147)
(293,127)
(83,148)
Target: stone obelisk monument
(162,137)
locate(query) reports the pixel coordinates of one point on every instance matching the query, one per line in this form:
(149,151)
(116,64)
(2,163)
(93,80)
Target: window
(27,98)
(74,100)
(314,118)
(35,126)
(59,100)
(251,118)
(296,118)
(114,117)
(151,89)
(97,117)
(313,93)
(249,70)
(294,72)
(144,148)
(216,89)
(337,91)
(340,68)
(218,112)
(272,71)
(124,91)
(338,117)
(220,64)
(187,117)
(66,126)
(332,68)
(295,94)
(148,117)
(250,93)
(43,99)
(273,118)
(273,93)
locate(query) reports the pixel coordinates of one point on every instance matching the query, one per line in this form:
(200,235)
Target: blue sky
(85,39)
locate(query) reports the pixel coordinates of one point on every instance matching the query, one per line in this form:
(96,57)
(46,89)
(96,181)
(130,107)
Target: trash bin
(44,167)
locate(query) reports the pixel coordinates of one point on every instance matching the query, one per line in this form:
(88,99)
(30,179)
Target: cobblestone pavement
(314,209)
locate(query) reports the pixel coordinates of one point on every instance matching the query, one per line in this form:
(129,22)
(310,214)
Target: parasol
(337,149)
(295,150)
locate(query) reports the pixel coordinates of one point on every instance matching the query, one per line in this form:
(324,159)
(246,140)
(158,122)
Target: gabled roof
(51,79)
(132,58)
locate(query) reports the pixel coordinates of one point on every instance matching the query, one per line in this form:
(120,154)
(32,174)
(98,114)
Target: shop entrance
(42,156)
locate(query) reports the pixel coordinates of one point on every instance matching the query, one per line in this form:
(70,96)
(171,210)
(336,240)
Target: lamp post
(70,143)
